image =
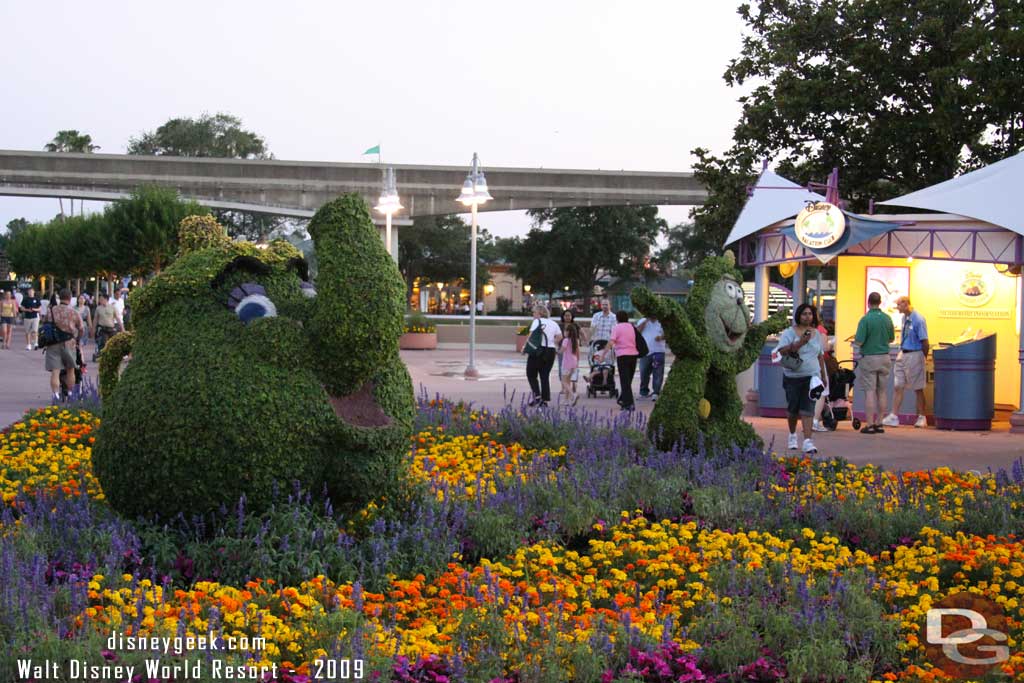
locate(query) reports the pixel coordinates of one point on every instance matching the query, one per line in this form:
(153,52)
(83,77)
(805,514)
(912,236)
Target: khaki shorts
(32,325)
(873,371)
(909,371)
(59,357)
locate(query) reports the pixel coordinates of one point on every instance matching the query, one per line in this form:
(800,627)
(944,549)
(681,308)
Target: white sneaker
(654,397)
(809,446)
(818,427)
(28,347)
(793,443)
(922,421)
(891,420)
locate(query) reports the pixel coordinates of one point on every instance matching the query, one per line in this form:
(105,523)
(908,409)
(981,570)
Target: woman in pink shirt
(623,341)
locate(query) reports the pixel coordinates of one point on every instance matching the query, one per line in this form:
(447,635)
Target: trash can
(771,401)
(965,384)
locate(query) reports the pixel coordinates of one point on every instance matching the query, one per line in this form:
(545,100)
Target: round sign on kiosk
(820,225)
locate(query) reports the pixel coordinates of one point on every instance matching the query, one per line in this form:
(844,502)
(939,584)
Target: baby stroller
(837,400)
(599,383)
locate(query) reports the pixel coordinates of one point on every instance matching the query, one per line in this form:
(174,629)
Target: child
(570,362)
(603,365)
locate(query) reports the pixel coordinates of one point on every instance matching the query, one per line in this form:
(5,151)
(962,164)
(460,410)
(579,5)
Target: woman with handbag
(8,312)
(800,353)
(540,347)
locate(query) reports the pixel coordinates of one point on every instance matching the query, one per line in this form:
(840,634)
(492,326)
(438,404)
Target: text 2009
(337,669)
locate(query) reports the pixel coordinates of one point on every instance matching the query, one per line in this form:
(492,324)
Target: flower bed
(528,548)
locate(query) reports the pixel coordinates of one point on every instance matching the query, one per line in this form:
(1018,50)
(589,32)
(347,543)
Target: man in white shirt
(118,303)
(653,364)
(601,327)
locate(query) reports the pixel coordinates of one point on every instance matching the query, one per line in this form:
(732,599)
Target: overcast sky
(592,84)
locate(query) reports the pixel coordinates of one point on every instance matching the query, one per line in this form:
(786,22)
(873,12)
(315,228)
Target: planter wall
(418,341)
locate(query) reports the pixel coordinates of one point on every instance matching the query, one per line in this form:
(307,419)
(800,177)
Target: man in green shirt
(874,334)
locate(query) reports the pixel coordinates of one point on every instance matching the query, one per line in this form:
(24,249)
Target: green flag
(373,150)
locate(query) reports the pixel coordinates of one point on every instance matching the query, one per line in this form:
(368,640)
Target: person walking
(104,323)
(909,370)
(60,357)
(538,365)
(569,372)
(623,344)
(874,334)
(601,325)
(8,314)
(30,316)
(826,349)
(86,315)
(803,362)
(653,364)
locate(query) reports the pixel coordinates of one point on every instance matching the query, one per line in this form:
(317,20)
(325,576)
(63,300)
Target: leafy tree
(898,95)
(220,136)
(436,249)
(144,229)
(71,141)
(14,227)
(583,242)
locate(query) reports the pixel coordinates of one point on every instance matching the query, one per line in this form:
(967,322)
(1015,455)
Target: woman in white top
(538,366)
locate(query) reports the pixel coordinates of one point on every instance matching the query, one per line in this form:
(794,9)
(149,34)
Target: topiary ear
(200,232)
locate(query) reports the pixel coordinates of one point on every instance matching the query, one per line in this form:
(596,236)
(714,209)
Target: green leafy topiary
(220,402)
(712,340)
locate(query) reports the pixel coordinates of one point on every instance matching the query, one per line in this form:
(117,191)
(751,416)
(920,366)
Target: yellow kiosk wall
(935,291)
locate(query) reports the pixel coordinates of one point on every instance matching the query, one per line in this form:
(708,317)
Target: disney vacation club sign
(820,225)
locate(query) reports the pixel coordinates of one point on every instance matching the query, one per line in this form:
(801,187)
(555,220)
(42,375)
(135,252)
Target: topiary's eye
(250,301)
(308,290)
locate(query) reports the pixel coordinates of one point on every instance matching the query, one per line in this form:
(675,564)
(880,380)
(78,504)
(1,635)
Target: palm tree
(71,141)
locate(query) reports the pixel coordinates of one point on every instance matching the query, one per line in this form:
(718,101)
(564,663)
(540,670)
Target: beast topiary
(243,378)
(712,340)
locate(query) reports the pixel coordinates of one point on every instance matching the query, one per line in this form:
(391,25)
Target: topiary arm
(680,334)
(114,351)
(754,342)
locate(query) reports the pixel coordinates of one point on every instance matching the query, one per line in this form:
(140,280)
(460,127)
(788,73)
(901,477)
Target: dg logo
(965,635)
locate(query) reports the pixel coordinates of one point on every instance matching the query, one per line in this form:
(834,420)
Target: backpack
(50,334)
(641,344)
(535,344)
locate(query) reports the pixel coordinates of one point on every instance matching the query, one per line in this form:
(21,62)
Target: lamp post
(388,204)
(474,193)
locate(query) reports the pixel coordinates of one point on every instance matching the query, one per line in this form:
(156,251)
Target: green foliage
(436,249)
(582,242)
(835,630)
(253,411)
(114,351)
(416,321)
(144,228)
(220,136)
(704,373)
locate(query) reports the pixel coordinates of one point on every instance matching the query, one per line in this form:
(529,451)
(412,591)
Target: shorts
(798,396)
(32,325)
(573,374)
(59,357)
(873,371)
(6,320)
(909,371)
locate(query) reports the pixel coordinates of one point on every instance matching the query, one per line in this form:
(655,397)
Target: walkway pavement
(24,384)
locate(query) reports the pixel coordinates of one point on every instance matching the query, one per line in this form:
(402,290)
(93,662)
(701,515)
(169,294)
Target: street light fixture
(474,193)
(388,204)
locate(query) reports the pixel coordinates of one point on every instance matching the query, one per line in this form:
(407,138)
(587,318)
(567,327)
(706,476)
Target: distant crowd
(75,322)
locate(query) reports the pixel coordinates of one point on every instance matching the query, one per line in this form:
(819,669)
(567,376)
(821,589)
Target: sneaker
(28,347)
(793,443)
(818,427)
(922,421)
(891,420)
(809,446)
(654,397)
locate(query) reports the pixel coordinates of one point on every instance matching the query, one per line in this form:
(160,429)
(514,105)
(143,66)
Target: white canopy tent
(990,194)
(774,198)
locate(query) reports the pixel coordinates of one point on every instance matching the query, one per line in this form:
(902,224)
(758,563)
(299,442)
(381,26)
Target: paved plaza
(503,381)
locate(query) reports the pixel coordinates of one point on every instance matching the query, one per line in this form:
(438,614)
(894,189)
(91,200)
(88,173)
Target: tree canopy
(220,136)
(436,249)
(71,141)
(897,95)
(573,246)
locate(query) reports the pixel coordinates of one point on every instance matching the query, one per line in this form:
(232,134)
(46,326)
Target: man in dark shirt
(30,313)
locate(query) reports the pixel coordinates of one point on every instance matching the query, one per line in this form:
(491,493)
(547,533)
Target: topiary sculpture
(244,378)
(712,340)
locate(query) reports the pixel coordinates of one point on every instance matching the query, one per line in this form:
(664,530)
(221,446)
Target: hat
(817,388)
